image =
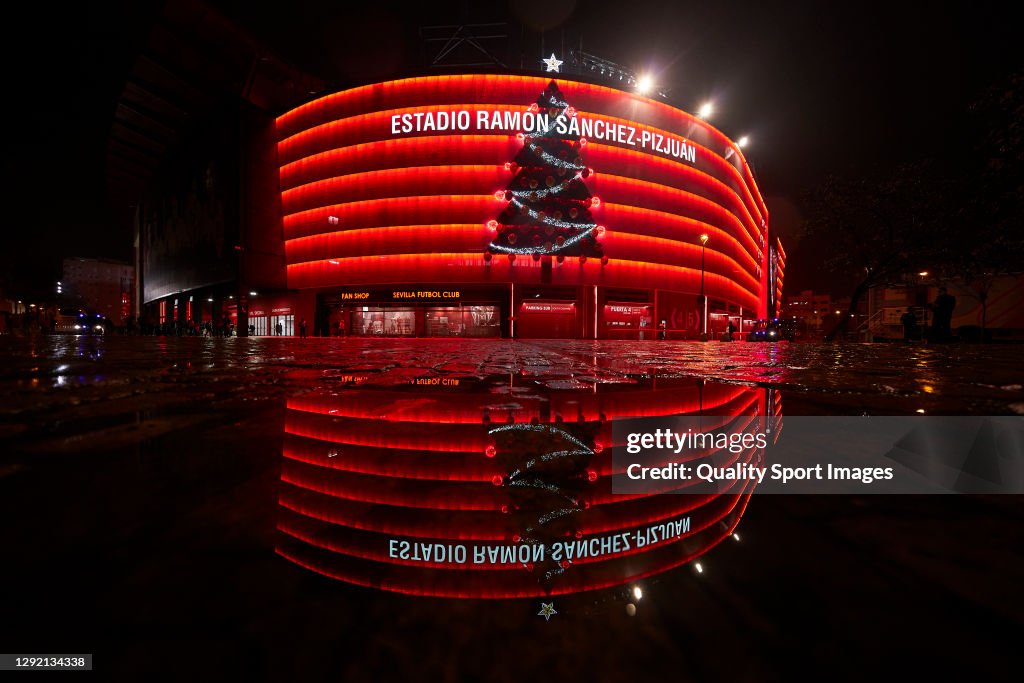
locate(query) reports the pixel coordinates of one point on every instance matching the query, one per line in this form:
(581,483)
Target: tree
(960,221)
(990,239)
(547,478)
(979,257)
(878,230)
(998,122)
(548,210)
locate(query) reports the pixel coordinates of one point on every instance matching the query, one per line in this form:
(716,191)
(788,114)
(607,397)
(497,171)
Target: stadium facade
(494,205)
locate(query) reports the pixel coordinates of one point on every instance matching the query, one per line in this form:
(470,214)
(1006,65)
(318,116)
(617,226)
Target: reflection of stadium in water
(493,488)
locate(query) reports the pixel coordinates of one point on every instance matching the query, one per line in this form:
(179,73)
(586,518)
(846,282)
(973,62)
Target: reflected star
(547,610)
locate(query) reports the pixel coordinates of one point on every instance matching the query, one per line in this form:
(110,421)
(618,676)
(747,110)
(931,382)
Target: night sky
(819,88)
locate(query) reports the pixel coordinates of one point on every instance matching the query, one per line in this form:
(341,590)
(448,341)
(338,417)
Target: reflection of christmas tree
(547,480)
(548,209)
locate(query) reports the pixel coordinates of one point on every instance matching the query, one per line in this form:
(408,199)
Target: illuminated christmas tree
(548,482)
(548,210)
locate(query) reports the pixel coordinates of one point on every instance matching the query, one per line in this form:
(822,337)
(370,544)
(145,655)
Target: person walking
(302,329)
(911,330)
(942,315)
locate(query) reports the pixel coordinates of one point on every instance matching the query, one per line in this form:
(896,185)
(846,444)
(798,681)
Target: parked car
(773,331)
(77,321)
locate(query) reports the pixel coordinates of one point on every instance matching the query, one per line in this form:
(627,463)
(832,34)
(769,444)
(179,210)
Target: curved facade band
(432,490)
(505,205)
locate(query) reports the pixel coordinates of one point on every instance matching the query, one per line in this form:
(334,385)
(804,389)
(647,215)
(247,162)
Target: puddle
(226,497)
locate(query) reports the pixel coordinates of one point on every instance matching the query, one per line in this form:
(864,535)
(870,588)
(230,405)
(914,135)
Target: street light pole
(703,298)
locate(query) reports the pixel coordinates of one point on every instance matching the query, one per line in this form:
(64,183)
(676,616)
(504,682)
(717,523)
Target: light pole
(703,299)
(923,284)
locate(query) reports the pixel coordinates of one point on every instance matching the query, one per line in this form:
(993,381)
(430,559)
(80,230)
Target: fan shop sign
(592,128)
(417,295)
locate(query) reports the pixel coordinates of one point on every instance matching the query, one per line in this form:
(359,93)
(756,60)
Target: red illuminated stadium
(446,490)
(505,205)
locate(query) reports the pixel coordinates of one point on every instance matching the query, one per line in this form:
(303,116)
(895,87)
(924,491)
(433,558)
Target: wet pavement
(190,504)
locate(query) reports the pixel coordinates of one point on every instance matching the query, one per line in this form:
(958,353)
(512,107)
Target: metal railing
(872,325)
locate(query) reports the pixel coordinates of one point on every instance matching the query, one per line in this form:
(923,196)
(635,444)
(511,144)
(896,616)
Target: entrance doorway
(282,325)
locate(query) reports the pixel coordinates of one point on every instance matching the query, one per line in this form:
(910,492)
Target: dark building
(466,204)
(101,286)
(191,156)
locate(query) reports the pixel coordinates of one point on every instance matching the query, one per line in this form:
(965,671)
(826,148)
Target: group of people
(193,328)
(942,318)
(729,334)
(182,328)
(39,323)
(302,328)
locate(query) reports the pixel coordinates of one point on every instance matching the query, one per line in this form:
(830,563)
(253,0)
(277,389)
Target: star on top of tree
(552,63)
(547,609)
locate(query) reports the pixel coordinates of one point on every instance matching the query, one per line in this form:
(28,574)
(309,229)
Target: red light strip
(454,584)
(483,89)
(368,549)
(397,406)
(643,194)
(324,151)
(496,149)
(422,239)
(468,466)
(475,212)
(452,439)
(394,518)
(377,155)
(670,226)
(416,181)
(354,130)
(456,208)
(433,492)
(417,515)
(441,180)
(361,488)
